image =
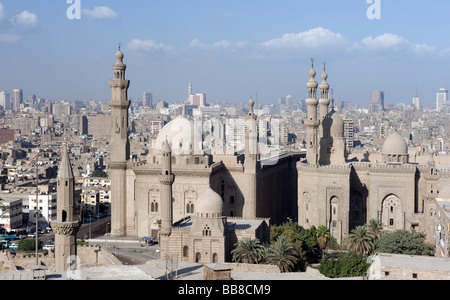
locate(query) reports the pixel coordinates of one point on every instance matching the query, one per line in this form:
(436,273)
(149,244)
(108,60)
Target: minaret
(324,100)
(166,179)
(325,121)
(67,223)
(311,122)
(120,145)
(251,164)
(190,88)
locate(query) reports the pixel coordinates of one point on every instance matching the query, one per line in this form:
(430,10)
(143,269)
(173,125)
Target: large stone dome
(337,125)
(209,204)
(395,144)
(182,135)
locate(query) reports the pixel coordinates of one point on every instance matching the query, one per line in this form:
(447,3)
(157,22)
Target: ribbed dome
(395,144)
(210,203)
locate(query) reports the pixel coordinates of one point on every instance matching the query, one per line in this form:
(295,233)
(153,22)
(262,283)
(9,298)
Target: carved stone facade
(142,204)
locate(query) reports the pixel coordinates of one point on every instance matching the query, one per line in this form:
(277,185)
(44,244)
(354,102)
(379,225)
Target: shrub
(351,264)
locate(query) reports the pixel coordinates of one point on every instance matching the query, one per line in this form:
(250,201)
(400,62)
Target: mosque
(200,204)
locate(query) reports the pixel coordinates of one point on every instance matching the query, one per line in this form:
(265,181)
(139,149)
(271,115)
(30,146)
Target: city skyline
(229,51)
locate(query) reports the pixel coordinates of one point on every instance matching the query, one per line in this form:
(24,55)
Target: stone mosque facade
(342,192)
(200,204)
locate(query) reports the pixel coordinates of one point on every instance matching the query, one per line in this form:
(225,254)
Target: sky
(230,50)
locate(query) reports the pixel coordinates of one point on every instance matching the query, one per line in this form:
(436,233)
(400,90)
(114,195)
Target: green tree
(29,245)
(360,240)
(303,240)
(375,227)
(282,254)
(322,235)
(403,242)
(99,173)
(249,251)
(351,264)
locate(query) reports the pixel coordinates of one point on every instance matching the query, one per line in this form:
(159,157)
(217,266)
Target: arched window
(206,231)
(215,258)
(185,251)
(198,256)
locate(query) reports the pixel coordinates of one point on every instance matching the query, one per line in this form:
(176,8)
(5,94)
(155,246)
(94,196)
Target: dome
(182,135)
(209,202)
(119,55)
(337,125)
(395,144)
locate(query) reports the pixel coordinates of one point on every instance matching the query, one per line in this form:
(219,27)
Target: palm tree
(322,235)
(375,227)
(360,240)
(248,251)
(282,254)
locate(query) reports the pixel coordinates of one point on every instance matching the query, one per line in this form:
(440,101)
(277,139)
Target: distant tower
(67,223)
(166,179)
(441,98)
(311,122)
(17,99)
(120,145)
(190,89)
(147,99)
(251,164)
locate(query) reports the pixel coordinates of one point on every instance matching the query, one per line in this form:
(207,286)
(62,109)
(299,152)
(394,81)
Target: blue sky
(230,49)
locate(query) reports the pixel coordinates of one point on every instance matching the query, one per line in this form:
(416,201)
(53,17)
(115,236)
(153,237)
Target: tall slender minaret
(120,145)
(251,164)
(67,223)
(325,121)
(166,179)
(324,101)
(312,123)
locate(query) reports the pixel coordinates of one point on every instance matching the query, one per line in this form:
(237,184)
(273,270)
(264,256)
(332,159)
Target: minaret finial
(324,65)
(312,62)
(119,45)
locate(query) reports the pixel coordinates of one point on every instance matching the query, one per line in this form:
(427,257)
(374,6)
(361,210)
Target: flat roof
(416,262)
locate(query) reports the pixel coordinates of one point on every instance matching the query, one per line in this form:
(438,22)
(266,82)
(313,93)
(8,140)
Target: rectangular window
(391,222)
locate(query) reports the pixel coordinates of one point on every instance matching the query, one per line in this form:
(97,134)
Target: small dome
(119,55)
(395,144)
(209,202)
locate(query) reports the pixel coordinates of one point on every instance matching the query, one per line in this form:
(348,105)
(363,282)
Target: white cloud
(2,11)
(9,38)
(145,46)
(389,41)
(101,12)
(313,38)
(25,21)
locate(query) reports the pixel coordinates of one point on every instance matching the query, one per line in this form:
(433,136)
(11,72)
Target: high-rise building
(441,98)
(5,100)
(198,99)
(416,102)
(376,101)
(147,99)
(17,99)
(349,130)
